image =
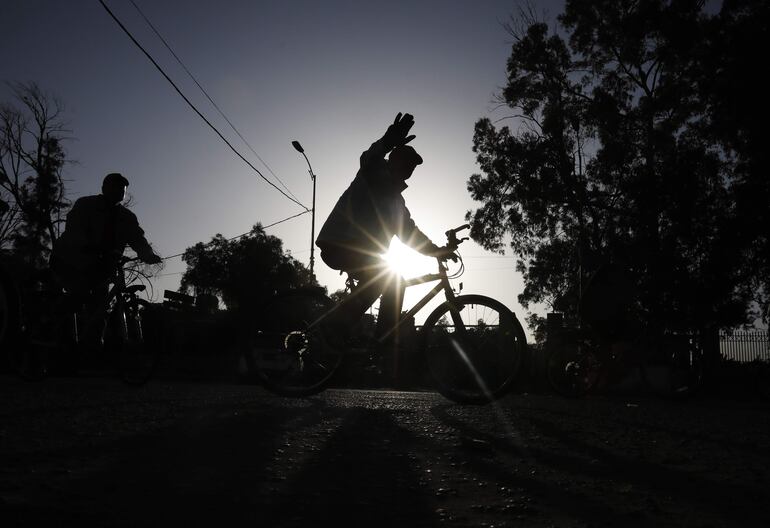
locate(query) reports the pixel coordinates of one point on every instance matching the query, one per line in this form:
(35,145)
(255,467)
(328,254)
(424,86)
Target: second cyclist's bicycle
(51,337)
(472,345)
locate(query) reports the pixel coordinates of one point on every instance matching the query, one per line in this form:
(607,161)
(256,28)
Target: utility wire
(163,40)
(127,32)
(246,233)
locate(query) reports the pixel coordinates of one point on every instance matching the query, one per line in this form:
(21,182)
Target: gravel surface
(92,452)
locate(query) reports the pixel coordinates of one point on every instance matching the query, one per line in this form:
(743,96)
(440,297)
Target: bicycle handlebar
(453,232)
(452,241)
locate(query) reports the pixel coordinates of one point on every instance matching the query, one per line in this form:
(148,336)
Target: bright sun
(406,261)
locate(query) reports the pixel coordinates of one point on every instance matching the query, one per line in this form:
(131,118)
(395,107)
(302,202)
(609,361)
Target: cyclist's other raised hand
(396,134)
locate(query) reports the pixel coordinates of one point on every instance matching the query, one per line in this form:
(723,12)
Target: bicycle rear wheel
(473,348)
(289,355)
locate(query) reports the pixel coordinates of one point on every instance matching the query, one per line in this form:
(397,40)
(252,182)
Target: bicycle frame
(125,301)
(443,285)
(115,302)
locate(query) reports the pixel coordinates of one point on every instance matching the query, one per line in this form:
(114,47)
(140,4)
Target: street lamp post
(299,149)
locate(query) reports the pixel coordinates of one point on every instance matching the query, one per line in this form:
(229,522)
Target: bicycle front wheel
(473,348)
(290,355)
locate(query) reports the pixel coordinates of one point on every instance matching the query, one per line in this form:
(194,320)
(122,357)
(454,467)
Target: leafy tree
(738,115)
(242,272)
(617,157)
(32,158)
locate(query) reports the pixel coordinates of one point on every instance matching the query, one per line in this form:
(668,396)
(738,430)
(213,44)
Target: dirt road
(93,452)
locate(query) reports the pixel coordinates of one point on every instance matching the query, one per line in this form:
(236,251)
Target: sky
(329,74)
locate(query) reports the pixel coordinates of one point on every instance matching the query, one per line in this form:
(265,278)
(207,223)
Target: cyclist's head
(403,160)
(114,187)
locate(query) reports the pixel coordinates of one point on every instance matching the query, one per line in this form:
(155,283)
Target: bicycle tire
(574,370)
(289,354)
(136,360)
(480,364)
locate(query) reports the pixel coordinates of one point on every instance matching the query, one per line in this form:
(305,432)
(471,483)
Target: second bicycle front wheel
(473,348)
(289,355)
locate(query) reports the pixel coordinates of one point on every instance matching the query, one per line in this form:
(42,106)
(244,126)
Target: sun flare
(406,261)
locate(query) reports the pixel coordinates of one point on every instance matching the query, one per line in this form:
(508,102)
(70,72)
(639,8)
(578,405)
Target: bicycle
(580,362)
(56,335)
(472,344)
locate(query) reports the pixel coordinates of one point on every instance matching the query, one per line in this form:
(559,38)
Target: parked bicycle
(472,345)
(53,336)
(671,364)
(609,344)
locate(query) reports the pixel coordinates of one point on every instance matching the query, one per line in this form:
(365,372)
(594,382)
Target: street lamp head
(298,147)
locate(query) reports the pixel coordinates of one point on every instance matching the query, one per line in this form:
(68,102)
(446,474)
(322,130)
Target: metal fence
(745,346)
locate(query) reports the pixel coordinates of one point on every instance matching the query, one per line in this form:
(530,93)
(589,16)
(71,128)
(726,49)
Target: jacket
(95,229)
(371,211)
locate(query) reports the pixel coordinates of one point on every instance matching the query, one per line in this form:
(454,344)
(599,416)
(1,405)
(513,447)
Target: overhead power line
(191,105)
(246,233)
(168,47)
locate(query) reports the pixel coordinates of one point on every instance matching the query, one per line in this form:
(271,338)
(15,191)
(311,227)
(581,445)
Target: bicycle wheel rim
(480,364)
(291,356)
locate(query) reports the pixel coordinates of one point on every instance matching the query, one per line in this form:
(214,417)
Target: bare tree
(32,157)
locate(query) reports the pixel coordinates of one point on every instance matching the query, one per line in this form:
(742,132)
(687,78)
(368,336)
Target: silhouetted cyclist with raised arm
(364,221)
(97,231)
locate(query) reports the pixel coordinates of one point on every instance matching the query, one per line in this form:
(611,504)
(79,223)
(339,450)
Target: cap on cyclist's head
(404,159)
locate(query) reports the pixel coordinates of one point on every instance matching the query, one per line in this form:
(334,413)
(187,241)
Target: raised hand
(396,134)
